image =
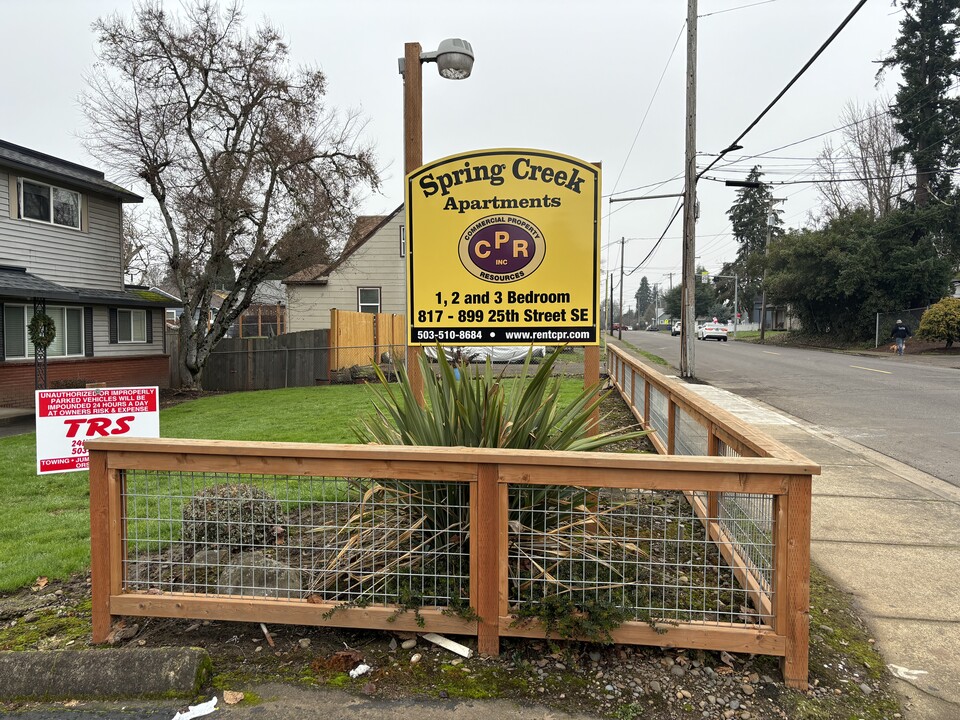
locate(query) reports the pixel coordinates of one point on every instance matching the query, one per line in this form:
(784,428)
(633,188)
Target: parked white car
(712,331)
(496,353)
(503,353)
(675,330)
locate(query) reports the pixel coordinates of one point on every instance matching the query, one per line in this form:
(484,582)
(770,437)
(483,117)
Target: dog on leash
(893,348)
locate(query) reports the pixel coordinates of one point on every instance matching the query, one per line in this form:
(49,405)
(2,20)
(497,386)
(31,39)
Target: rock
(304,643)
(444,694)
(608,688)
(31,617)
(677,671)
(712,699)
(560,666)
(595,656)
(734,704)
(255,574)
(655,687)
(370,688)
(393,644)
(866,689)
(686,694)
(747,689)
(415,658)
(232,697)
(409,644)
(727,714)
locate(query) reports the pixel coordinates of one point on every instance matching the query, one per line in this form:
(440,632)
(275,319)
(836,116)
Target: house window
(403,241)
(368,300)
(50,204)
(68,341)
(132,326)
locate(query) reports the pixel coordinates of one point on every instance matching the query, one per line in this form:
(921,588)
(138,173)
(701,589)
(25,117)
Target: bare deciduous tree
(860,171)
(251,173)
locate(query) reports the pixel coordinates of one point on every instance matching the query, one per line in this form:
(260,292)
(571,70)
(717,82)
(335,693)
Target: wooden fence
(299,359)
(363,338)
(749,496)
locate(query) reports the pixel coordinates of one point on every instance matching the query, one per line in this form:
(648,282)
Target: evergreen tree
(924,114)
(644,296)
(749,215)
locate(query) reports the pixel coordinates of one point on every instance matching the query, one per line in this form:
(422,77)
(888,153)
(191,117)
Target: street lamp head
(454,58)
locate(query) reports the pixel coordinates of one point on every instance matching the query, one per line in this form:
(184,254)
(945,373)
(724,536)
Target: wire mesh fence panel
(690,437)
(325,539)
(658,417)
(639,551)
(724,450)
(627,382)
(747,521)
(638,398)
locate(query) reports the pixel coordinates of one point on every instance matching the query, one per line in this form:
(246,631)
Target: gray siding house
(61,253)
(367,277)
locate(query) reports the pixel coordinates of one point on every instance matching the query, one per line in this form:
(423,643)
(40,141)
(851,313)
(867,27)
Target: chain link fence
(886,321)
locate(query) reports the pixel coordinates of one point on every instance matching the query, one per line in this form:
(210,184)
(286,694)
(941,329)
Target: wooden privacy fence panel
(364,338)
(299,359)
(346,535)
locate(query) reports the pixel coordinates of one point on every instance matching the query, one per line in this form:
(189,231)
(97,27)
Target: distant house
(367,277)
(61,253)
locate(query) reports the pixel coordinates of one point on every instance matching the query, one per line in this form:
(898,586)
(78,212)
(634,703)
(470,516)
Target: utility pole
(688,315)
(656,304)
(670,276)
(610,304)
(620,330)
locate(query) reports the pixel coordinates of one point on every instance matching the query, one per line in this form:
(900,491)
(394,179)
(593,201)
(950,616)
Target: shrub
(941,321)
(234,515)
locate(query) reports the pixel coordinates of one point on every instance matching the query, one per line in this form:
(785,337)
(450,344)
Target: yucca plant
(474,407)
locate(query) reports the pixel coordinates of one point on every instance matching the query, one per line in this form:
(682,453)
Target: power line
(739,7)
(858,121)
(660,240)
(649,105)
(806,66)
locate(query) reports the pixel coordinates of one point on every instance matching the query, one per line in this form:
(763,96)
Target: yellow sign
(503,249)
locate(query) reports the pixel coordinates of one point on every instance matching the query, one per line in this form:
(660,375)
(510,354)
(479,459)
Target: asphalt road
(903,408)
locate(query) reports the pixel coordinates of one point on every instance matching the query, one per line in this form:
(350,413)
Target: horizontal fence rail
(763,537)
(454,540)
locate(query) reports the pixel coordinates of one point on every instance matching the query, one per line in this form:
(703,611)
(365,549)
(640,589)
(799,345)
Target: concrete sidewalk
(890,536)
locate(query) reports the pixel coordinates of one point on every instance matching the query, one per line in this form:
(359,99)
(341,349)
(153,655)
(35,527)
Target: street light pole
(454,58)
(736,300)
(412,159)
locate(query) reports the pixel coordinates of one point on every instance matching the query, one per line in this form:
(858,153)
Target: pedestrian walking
(900,333)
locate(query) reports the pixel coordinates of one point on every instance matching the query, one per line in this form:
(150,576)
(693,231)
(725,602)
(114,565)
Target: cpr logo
(502,248)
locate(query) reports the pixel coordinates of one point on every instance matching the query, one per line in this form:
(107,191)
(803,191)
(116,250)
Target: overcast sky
(569,76)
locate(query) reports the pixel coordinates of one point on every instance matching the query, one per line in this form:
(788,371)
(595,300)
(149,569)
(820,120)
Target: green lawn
(45,521)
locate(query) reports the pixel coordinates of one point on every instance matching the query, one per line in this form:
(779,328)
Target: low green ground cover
(45,520)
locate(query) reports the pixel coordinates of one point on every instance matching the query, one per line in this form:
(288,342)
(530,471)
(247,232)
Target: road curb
(103,674)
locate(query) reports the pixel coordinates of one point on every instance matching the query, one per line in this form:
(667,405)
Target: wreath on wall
(43,330)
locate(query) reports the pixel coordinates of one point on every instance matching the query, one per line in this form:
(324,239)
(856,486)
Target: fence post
(713,497)
(591,376)
(485,557)
(102,573)
(792,547)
